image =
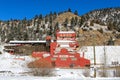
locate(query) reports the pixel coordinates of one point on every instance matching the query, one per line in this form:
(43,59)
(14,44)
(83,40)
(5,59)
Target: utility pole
(104,74)
(94,56)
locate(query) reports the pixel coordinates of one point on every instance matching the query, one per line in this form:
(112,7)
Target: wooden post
(94,56)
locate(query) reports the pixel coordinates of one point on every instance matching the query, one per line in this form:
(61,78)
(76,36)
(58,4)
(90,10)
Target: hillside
(67,15)
(103,24)
(109,17)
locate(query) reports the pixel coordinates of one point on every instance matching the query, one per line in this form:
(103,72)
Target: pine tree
(10,37)
(76,12)
(76,20)
(46,19)
(56,27)
(81,21)
(50,19)
(25,36)
(24,22)
(69,10)
(51,30)
(72,22)
(51,13)
(66,22)
(55,15)
(36,17)
(40,16)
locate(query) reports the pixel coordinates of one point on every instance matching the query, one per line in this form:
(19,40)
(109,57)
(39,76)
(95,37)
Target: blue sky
(18,9)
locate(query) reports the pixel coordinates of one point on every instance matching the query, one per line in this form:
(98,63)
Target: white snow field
(112,54)
(12,69)
(108,55)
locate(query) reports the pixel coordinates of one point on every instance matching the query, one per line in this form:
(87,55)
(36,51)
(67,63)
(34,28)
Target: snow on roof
(66,32)
(15,42)
(42,41)
(65,41)
(10,44)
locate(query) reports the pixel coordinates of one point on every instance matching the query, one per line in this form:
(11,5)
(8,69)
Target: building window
(63,59)
(53,59)
(73,59)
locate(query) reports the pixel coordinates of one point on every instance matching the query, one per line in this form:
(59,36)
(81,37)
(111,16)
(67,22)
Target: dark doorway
(53,64)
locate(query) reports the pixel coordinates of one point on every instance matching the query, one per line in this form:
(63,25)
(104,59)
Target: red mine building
(63,52)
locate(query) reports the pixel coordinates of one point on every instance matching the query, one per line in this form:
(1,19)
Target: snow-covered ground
(10,65)
(105,55)
(53,78)
(12,69)
(111,54)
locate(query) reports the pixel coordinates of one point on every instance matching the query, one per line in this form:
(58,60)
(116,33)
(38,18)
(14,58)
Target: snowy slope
(111,52)
(11,69)
(9,63)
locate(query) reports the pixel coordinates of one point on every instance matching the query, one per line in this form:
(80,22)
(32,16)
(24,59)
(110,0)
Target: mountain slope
(103,23)
(67,15)
(109,17)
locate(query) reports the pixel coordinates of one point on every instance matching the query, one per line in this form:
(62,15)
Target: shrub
(100,30)
(0,52)
(41,68)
